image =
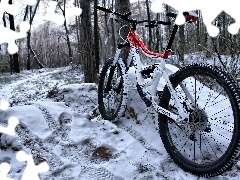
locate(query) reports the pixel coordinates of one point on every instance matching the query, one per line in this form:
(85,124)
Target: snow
(77,143)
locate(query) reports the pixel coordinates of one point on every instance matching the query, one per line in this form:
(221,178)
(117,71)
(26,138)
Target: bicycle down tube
(158,72)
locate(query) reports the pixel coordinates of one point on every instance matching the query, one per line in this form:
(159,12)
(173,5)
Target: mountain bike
(198,109)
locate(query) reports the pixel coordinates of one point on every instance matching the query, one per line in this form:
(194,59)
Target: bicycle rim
(207,143)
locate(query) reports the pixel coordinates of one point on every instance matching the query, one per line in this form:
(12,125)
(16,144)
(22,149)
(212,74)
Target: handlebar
(104,9)
(151,24)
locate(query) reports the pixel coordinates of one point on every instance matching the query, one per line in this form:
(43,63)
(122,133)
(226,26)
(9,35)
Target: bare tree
(14,63)
(89,66)
(150,40)
(96,37)
(77,19)
(181,43)
(123,6)
(29,10)
(63,9)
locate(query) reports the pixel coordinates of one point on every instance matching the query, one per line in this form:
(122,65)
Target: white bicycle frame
(160,71)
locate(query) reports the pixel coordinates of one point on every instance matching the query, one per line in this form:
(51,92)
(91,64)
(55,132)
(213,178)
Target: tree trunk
(96,36)
(181,48)
(168,28)
(67,33)
(142,17)
(223,27)
(29,41)
(158,36)
(68,41)
(28,50)
(198,32)
(113,35)
(123,6)
(150,40)
(77,32)
(39,63)
(66,30)
(89,68)
(29,47)
(13,58)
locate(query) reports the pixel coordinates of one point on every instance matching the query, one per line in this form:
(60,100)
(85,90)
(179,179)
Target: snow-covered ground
(57,125)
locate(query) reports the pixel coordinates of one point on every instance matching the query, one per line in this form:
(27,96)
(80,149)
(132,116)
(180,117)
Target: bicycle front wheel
(207,143)
(111,96)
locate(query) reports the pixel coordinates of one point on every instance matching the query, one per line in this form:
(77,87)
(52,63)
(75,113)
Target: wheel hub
(198,120)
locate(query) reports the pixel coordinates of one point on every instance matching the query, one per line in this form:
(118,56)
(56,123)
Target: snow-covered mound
(60,130)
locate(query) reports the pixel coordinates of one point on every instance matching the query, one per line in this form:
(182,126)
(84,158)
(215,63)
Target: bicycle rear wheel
(111,96)
(208,142)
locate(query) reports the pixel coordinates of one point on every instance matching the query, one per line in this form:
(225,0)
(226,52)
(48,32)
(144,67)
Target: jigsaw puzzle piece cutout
(180,6)
(4,170)
(57,18)
(10,129)
(210,10)
(31,169)
(208,18)
(52,16)
(12,8)
(234,12)
(73,11)
(9,8)
(10,36)
(4,105)
(215,8)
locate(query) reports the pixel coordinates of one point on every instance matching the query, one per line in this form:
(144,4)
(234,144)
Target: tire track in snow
(140,139)
(72,152)
(36,146)
(52,124)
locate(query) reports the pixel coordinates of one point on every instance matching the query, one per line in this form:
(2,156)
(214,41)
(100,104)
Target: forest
(88,40)
(59,112)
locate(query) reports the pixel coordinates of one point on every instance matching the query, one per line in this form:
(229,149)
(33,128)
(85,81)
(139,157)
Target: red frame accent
(191,18)
(136,42)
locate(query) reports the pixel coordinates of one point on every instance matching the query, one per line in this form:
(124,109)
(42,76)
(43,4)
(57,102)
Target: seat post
(173,34)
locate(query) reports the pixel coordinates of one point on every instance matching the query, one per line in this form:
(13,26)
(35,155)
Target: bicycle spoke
(220,111)
(215,103)
(205,137)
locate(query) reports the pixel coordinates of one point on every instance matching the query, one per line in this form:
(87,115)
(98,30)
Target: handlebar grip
(103,9)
